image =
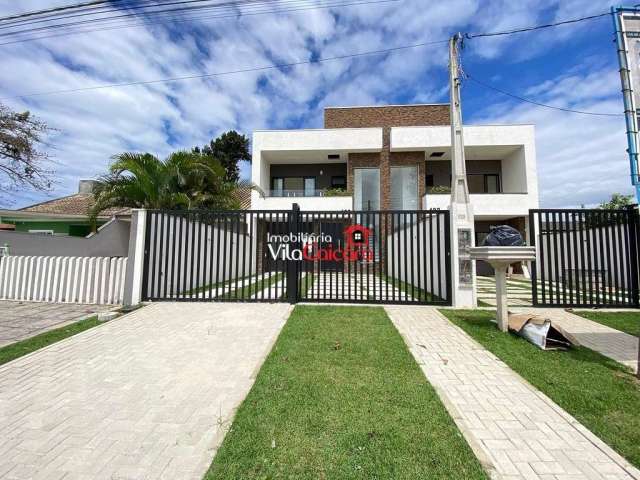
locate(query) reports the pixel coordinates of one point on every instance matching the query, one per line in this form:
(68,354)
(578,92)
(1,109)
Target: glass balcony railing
(331,192)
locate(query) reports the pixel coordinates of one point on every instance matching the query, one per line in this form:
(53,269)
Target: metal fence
(293,255)
(585,258)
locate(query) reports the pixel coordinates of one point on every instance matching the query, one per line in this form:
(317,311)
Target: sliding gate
(585,258)
(293,255)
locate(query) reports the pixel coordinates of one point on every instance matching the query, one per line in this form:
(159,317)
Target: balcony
(325,192)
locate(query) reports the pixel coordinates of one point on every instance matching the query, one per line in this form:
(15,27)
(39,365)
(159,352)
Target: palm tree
(184,180)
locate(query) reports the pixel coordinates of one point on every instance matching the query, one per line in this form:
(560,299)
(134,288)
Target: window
(428,181)
(277,186)
(309,186)
(404,188)
(339,182)
(366,189)
(483,182)
(492,184)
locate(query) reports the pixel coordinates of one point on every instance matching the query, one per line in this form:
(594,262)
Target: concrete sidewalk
(146,396)
(515,430)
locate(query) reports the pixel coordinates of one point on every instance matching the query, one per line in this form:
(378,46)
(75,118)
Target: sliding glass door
(366,189)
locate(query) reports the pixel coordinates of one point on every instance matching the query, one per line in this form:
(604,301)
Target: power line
(535,27)
(231,72)
(523,99)
(176,18)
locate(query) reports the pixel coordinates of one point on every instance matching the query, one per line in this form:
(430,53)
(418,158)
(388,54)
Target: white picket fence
(96,280)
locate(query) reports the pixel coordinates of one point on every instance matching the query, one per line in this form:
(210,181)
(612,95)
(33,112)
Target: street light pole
(462,221)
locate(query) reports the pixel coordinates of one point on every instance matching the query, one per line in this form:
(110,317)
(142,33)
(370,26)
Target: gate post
(292,266)
(136,259)
(534,263)
(634,225)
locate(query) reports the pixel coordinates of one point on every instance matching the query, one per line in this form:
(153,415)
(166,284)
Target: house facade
(396,158)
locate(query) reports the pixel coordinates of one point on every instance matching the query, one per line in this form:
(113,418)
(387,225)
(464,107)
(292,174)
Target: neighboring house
(62,216)
(396,158)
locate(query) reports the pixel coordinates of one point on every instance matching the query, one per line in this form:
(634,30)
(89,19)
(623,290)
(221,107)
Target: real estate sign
(627,25)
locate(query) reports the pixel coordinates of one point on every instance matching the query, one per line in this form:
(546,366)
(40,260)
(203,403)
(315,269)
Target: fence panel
(585,258)
(271,255)
(213,255)
(94,280)
(376,257)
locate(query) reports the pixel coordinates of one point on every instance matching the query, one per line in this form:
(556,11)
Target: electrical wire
(526,100)
(535,27)
(230,72)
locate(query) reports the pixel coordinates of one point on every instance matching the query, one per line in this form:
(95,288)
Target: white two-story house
(396,158)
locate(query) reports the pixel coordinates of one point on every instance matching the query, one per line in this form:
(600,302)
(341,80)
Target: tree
(617,202)
(22,163)
(229,148)
(184,180)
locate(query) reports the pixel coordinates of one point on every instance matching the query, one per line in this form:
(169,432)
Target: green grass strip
(24,347)
(247,291)
(341,397)
(408,289)
(599,392)
(627,322)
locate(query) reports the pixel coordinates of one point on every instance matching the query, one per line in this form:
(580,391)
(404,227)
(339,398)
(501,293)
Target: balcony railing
(308,193)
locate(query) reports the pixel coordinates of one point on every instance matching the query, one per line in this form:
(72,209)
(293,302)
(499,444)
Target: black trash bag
(503,236)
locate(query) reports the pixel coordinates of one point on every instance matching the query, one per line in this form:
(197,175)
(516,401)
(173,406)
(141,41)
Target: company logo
(320,247)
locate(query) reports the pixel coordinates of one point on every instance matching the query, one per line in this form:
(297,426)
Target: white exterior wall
(519,172)
(291,141)
(314,204)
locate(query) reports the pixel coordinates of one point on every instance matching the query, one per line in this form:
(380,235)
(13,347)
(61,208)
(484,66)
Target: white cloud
(160,117)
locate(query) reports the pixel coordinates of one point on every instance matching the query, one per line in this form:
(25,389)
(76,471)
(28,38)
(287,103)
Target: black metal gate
(293,255)
(585,258)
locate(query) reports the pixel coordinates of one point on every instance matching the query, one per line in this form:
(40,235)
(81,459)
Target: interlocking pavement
(21,320)
(146,396)
(515,430)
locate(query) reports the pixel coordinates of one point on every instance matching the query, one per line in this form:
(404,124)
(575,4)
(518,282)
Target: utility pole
(462,221)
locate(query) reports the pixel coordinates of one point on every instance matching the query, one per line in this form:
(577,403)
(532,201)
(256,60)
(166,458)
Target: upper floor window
(404,188)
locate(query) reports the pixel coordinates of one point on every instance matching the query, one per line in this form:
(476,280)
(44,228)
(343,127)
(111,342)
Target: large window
(293,186)
(366,189)
(404,188)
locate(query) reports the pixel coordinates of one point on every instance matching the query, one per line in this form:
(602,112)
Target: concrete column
(135,260)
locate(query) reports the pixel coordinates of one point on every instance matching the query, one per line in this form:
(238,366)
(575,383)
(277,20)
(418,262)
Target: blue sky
(581,159)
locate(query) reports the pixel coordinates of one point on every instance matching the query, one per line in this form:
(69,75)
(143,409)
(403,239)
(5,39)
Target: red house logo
(357,236)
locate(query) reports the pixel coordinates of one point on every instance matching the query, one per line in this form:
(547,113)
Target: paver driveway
(20,320)
(146,396)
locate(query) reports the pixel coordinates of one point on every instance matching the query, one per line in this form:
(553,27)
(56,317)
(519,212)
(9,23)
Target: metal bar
(216,222)
(165,234)
(576,263)
(633,257)
(439,249)
(608,252)
(561,227)
(447,247)
(423,249)
(405,276)
(627,228)
(411,256)
(192,269)
(583,261)
(147,258)
(590,254)
(175,275)
(199,255)
(534,264)
(601,216)
(393,255)
(567,250)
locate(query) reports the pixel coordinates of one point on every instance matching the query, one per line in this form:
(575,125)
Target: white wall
(93,280)
(313,204)
(502,205)
(322,140)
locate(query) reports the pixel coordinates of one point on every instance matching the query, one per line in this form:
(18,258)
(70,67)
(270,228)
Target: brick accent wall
(386,116)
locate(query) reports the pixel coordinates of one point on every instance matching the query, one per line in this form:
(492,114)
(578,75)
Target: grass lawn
(341,397)
(247,291)
(23,347)
(602,394)
(628,322)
